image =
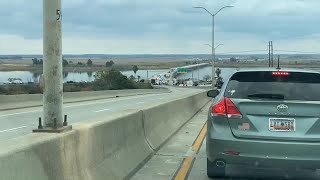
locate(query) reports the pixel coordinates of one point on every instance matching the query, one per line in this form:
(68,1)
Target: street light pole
(52,80)
(213,49)
(213,54)
(213,59)
(52,64)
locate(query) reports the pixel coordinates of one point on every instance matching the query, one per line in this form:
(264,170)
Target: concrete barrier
(98,150)
(111,147)
(8,102)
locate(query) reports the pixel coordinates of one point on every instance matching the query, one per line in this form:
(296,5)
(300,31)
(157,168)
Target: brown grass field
(143,64)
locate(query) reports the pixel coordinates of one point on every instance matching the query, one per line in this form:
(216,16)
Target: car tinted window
(294,86)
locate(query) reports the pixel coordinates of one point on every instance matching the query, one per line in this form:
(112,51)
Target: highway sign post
(182,70)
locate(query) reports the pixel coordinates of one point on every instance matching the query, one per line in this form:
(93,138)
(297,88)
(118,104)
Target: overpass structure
(171,74)
(111,138)
(175,71)
(111,135)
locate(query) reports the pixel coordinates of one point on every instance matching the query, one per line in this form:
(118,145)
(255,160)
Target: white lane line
(140,103)
(70,106)
(102,110)
(85,104)
(102,102)
(19,113)
(13,129)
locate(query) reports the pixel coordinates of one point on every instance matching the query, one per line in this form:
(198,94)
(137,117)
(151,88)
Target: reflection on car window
(301,86)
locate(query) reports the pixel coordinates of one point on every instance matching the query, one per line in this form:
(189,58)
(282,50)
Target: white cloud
(163,26)
(14,44)
(156,45)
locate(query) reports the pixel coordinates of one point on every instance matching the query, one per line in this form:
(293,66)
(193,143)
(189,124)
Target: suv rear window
(292,85)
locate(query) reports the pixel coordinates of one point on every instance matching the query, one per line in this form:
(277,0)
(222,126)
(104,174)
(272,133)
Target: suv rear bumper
(261,153)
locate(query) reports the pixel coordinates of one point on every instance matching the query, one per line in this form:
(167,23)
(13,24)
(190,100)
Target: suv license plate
(282,124)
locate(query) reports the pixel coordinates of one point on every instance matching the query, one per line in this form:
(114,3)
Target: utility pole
(192,75)
(269,48)
(278,62)
(198,73)
(52,64)
(147,75)
(271,54)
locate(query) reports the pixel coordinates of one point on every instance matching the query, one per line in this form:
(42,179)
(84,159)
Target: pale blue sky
(163,26)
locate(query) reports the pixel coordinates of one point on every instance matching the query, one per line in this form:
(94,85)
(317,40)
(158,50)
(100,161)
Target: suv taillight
(279,73)
(225,108)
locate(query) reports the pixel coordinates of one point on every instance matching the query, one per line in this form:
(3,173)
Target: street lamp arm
(211,46)
(208,45)
(221,9)
(204,9)
(218,46)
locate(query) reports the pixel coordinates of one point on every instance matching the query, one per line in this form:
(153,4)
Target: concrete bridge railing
(111,147)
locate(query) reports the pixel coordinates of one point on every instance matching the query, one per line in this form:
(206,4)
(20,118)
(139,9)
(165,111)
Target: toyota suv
(265,119)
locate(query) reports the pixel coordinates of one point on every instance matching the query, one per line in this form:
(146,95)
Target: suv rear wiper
(266,96)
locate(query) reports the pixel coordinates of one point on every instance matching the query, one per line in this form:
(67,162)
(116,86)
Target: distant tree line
(89,62)
(104,80)
(11,57)
(233,59)
(37,61)
(109,63)
(65,62)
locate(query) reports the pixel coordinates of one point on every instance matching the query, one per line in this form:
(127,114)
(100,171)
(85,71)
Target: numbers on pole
(59,15)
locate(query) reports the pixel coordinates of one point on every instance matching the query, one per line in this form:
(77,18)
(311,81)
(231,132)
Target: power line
(239,52)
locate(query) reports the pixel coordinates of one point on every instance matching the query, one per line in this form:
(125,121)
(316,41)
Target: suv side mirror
(213,93)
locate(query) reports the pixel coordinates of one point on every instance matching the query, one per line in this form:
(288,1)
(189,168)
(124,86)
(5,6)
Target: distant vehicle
(84,81)
(158,81)
(266,119)
(14,81)
(189,83)
(195,83)
(219,83)
(17,81)
(70,82)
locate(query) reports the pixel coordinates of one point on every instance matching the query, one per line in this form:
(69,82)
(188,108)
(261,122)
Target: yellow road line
(184,170)
(196,146)
(187,164)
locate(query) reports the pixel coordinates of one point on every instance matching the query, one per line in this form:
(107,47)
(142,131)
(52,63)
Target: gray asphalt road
(15,123)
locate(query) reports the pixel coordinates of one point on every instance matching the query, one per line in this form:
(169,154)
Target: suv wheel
(213,171)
